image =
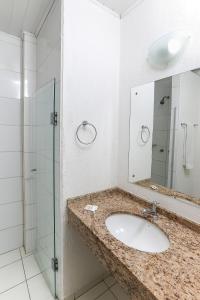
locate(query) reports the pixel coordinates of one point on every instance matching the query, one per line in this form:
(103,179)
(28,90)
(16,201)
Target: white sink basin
(137,233)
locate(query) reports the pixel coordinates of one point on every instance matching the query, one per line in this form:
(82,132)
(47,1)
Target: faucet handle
(156,202)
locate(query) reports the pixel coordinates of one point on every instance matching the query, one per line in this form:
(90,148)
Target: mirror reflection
(164,136)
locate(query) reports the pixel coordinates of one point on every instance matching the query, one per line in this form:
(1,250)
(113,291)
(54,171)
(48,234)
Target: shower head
(163,99)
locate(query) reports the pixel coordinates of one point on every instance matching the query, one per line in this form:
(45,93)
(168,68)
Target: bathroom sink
(137,233)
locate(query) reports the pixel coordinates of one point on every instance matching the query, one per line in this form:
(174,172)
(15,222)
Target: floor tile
(9,257)
(19,292)
(38,289)
(30,266)
(95,292)
(23,253)
(107,296)
(119,293)
(11,275)
(110,281)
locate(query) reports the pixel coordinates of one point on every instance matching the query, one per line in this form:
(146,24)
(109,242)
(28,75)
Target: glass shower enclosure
(45,145)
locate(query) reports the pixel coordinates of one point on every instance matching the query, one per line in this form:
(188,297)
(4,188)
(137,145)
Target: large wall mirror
(165,136)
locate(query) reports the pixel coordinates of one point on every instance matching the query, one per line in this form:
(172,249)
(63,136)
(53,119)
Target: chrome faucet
(151,211)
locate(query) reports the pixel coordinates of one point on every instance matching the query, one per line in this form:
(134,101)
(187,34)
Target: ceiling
(119,6)
(19,15)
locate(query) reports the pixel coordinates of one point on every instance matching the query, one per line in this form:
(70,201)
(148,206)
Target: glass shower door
(44,141)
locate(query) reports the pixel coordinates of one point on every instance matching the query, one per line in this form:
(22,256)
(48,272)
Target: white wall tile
(11,215)
(10,57)
(8,38)
(29,71)
(10,111)
(10,147)
(29,111)
(10,164)
(10,138)
(30,238)
(29,165)
(10,190)
(30,56)
(29,83)
(29,145)
(30,216)
(10,84)
(29,190)
(159,168)
(11,238)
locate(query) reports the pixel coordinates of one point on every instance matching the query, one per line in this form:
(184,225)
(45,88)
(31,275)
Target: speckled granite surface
(173,274)
(166,191)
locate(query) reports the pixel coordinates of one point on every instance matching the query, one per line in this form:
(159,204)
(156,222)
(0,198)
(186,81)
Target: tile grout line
(26,255)
(25,274)
(20,259)
(101,294)
(14,261)
(109,288)
(112,292)
(12,287)
(11,227)
(34,276)
(9,251)
(93,288)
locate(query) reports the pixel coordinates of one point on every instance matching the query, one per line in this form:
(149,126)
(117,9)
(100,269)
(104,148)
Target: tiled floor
(20,278)
(108,289)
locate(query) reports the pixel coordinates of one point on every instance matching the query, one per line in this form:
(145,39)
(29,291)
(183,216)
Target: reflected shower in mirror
(165,136)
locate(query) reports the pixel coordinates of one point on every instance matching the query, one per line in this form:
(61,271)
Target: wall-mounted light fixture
(167,48)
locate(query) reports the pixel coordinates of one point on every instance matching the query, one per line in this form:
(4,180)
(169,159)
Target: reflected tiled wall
(11,211)
(161,132)
(29,87)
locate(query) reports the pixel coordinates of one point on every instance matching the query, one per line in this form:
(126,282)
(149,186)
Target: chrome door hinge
(54,264)
(54,118)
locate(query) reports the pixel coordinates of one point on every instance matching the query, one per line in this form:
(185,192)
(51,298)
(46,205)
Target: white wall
(90,92)
(139,29)
(11,212)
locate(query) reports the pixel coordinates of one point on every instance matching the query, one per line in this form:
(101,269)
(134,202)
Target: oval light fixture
(167,48)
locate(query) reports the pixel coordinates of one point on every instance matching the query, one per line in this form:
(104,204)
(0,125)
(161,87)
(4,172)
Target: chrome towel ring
(83,125)
(145,134)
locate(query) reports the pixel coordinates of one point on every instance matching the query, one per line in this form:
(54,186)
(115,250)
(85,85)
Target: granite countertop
(173,274)
(147,183)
